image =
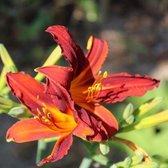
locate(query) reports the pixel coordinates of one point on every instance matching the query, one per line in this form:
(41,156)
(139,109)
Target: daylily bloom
(69,103)
(86,84)
(54,116)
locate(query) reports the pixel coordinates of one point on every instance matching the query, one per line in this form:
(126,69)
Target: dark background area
(136,30)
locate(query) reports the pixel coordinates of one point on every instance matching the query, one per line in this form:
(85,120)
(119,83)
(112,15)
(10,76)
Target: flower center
(44,116)
(55,119)
(94,90)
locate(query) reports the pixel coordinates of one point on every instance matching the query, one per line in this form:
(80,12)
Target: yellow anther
(105,74)
(44,110)
(99,73)
(36,117)
(38,112)
(94,90)
(48,115)
(45,120)
(45,106)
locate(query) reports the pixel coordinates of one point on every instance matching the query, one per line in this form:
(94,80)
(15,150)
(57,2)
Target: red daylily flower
(53,116)
(69,103)
(86,84)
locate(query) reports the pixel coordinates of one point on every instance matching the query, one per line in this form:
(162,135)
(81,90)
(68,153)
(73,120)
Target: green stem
(41,146)
(86,163)
(135,148)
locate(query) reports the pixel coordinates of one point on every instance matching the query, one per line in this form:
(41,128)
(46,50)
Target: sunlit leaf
(51,60)
(6,59)
(149,105)
(2,78)
(153,120)
(6,104)
(146,165)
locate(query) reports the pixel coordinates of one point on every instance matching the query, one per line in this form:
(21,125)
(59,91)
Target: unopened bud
(104,148)
(128,111)
(19,112)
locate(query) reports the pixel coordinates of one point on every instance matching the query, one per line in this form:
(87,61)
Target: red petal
(96,56)
(29,130)
(84,128)
(100,120)
(117,87)
(70,49)
(29,91)
(60,96)
(60,150)
(101,112)
(60,74)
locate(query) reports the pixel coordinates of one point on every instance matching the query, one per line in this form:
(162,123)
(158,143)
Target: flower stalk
(135,148)
(51,60)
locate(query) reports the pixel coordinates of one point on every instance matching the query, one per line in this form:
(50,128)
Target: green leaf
(2,78)
(7,60)
(5,91)
(147,165)
(146,107)
(153,120)
(6,104)
(51,60)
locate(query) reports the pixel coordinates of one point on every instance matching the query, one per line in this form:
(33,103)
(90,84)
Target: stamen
(37,117)
(105,74)
(38,112)
(94,90)
(49,115)
(44,117)
(45,106)
(44,110)
(99,73)
(45,120)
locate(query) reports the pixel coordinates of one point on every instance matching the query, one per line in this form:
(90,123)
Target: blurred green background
(137,33)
